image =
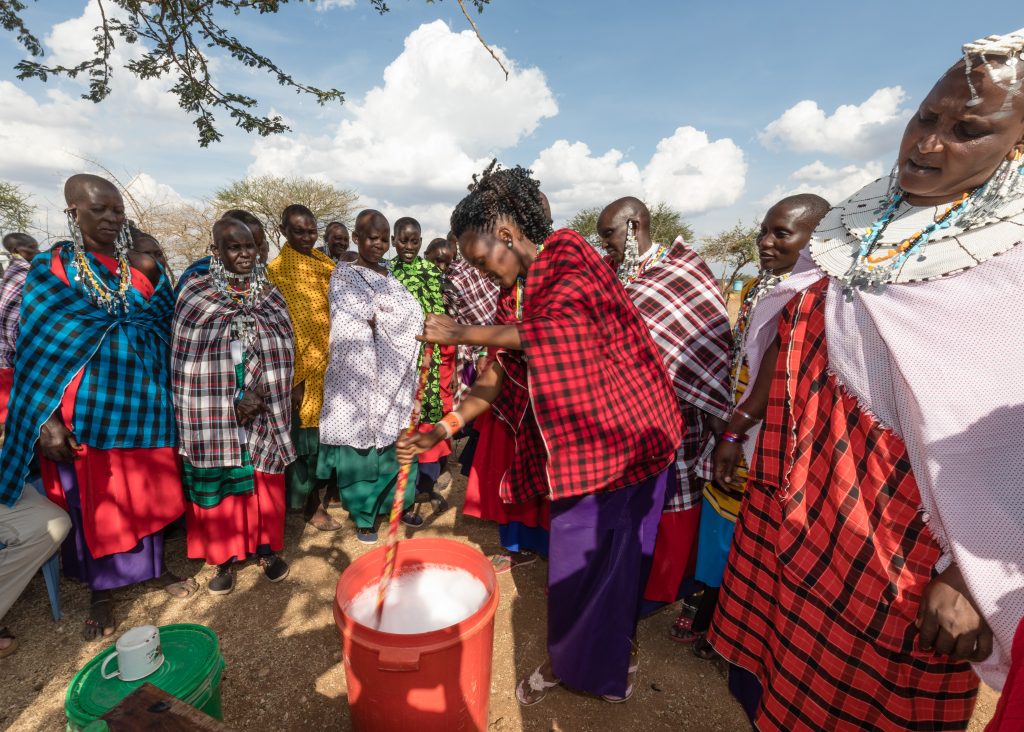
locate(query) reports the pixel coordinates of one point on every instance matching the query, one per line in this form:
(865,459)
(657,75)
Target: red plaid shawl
(829,561)
(605,413)
(203,378)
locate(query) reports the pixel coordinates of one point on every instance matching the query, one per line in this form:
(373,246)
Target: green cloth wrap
(365,479)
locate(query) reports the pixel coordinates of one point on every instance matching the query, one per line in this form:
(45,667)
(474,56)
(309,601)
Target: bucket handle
(398,659)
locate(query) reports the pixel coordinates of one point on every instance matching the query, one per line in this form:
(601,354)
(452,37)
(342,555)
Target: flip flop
(181,589)
(537,683)
(630,687)
(5,634)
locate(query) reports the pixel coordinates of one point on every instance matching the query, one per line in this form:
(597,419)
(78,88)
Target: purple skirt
(601,551)
(142,563)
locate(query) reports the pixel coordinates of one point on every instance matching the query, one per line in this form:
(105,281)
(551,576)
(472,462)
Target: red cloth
(238,525)
(606,413)
(830,559)
(126,493)
(6,382)
(494,452)
(446,372)
(1009,715)
(675,554)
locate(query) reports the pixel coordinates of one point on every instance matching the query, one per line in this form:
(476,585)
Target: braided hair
(511,192)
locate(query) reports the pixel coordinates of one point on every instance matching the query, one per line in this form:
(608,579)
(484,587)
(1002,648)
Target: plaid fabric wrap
(124,399)
(830,537)
(10,309)
(477,302)
(605,412)
(680,301)
(423,281)
(204,379)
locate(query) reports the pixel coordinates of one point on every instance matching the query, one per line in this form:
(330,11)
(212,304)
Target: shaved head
(626,208)
(370,220)
(813,207)
(225,224)
(613,226)
(79,187)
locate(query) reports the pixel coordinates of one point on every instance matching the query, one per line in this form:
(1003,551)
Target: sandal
(503,563)
(538,685)
(100,623)
(630,681)
(5,634)
(177,587)
(703,649)
(322,521)
(439,503)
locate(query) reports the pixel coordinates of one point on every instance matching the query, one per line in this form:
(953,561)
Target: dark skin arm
(445,331)
(755,403)
(298,394)
(478,401)
(57,442)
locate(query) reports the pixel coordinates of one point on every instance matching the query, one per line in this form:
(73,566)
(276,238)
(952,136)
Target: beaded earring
(98,292)
(630,256)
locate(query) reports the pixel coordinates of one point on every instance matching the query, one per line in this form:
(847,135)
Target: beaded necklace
(766,282)
(651,261)
(521,286)
(98,292)
(873,270)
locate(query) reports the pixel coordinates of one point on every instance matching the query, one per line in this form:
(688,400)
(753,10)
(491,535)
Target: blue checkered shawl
(125,395)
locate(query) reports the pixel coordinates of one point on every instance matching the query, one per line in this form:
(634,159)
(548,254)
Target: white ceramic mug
(138,654)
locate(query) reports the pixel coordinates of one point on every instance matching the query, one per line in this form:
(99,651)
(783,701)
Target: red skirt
(6,382)
(829,561)
(493,458)
(1010,712)
(675,554)
(237,526)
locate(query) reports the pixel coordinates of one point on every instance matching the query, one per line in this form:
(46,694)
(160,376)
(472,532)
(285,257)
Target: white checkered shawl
(682,306)
(203,378)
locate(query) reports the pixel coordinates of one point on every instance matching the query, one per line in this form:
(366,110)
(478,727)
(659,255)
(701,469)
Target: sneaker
(367,536)
(223,582)
(411,519)
(274,568)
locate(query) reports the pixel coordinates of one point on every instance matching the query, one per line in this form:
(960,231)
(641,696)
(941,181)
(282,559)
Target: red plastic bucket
(427,682)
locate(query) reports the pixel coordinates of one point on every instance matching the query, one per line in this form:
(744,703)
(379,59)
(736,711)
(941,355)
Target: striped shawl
(204,378)
(125,395)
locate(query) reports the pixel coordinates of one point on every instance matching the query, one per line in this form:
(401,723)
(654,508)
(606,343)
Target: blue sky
(717,108)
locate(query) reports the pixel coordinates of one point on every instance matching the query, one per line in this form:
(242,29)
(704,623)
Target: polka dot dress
(371,374)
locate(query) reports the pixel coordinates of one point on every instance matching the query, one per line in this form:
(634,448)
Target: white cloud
(687,171)
(862,130)
(325,5)
(443,110)
(833,184)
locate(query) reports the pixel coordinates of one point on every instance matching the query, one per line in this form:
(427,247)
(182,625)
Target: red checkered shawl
(604,411)
(852,529)
(203,378)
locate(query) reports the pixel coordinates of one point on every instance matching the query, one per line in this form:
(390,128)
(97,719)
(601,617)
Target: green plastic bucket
(191,671)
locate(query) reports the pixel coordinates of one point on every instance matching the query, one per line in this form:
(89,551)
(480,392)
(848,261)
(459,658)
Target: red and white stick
(400,485)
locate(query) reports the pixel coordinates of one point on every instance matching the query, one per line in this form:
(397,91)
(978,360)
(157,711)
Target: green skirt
(300,476)
(365,479)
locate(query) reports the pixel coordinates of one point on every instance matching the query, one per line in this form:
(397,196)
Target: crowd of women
(831,480)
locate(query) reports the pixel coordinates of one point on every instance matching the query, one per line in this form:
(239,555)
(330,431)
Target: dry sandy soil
(284,668)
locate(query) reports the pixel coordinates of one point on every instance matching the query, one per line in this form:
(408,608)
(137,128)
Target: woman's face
(237,250)
(301,233)
(407,243)
(491,256)
(372,241)
(100,214)
(950,148)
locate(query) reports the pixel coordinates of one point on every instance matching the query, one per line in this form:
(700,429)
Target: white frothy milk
(421,600)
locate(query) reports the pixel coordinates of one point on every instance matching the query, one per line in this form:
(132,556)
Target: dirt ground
(284,669)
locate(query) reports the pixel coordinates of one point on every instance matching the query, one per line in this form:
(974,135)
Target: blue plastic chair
(51,571)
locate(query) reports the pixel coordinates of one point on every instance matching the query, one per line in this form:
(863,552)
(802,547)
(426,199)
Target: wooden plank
(149,709)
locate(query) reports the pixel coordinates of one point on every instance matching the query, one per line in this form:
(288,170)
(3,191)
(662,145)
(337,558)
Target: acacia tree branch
(480,38)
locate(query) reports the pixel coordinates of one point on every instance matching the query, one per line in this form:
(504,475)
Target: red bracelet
(732,437)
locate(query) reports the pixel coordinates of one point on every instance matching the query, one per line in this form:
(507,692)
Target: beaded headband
(1009,47)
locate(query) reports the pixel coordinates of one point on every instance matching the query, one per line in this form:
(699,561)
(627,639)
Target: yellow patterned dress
(303,280)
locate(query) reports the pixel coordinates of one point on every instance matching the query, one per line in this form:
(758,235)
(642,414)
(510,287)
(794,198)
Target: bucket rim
(431,639)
